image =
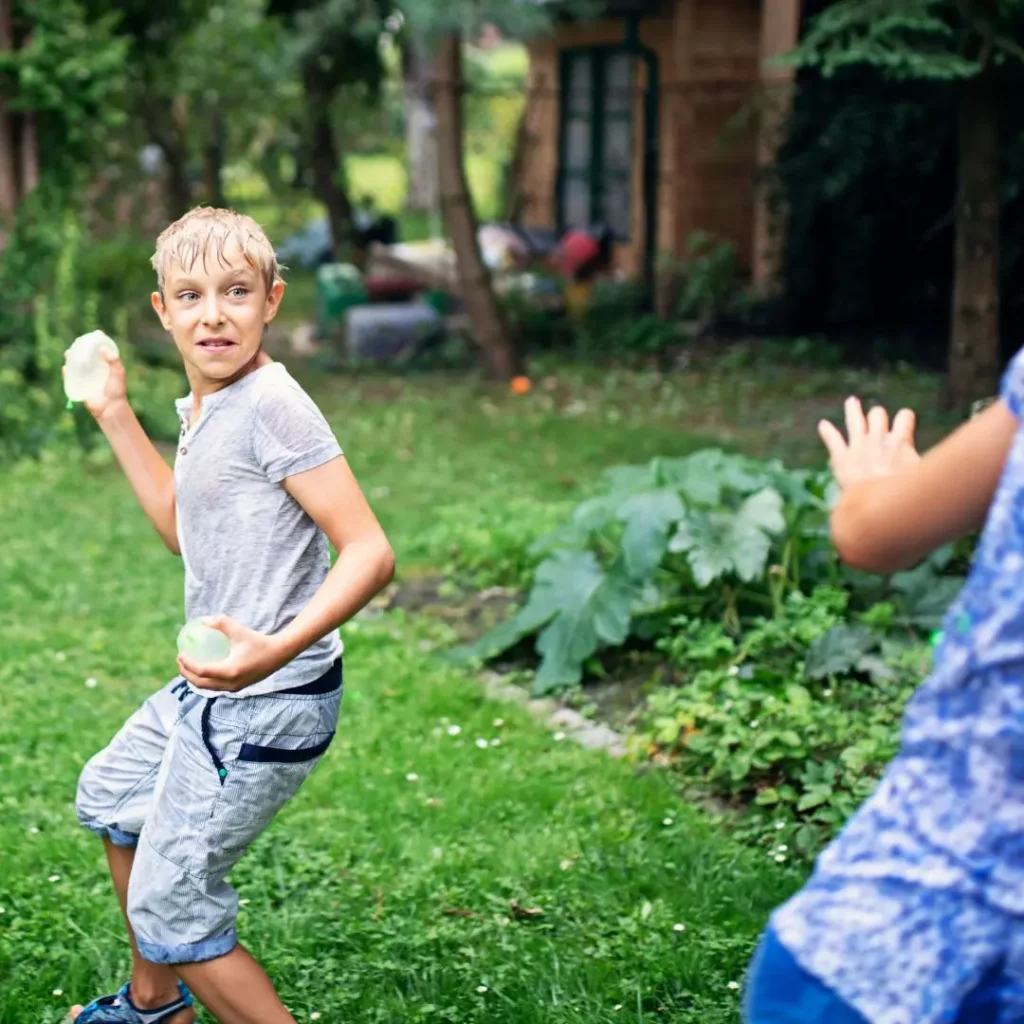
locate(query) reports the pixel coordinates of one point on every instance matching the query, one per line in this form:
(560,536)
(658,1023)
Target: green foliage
(69,71)
(690,532)
(916,39)
(796,718)
(711,277)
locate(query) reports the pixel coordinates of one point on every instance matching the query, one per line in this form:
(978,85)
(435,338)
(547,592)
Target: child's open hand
(253,657)
(873,448)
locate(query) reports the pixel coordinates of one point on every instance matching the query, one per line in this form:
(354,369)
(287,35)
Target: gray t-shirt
(250,550)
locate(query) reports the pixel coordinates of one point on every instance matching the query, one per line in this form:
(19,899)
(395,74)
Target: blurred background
(573,281)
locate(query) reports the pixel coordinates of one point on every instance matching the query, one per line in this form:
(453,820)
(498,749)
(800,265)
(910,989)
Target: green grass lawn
(383,893)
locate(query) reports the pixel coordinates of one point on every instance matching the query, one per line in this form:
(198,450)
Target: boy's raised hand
(873,448)
(115,393)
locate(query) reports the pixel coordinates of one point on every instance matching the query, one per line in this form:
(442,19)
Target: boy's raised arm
(151,478)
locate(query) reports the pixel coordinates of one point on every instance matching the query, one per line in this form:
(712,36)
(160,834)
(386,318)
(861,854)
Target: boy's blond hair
(207,230)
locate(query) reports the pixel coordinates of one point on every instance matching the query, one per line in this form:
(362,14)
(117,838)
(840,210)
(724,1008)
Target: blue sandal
(120,1009)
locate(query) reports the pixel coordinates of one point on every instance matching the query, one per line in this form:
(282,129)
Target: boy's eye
(188,296)
(239,291)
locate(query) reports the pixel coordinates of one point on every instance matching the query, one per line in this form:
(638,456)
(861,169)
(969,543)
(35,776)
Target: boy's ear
(157,300)
(274,297)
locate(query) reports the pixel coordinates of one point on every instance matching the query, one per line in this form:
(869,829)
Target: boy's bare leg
(235,989)
(152,985)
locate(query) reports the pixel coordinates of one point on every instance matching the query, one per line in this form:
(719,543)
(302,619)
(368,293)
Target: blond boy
(259,487)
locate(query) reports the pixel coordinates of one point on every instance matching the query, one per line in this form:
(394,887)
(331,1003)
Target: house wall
(708,57)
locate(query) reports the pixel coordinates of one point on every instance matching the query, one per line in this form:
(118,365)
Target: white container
(87,371)
(202,644)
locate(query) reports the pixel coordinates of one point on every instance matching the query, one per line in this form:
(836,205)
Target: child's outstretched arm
(897,506)
(151,478)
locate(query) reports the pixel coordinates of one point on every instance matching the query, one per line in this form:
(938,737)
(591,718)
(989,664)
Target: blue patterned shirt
(922,894)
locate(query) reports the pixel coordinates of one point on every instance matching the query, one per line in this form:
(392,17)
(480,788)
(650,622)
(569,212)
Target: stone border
(588,734)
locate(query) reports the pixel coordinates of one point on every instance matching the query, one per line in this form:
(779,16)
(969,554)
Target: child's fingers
(833,440)
(856,425)
(903,427)
(878,422)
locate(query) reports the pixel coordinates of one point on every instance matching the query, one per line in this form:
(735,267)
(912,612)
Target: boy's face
(216,312)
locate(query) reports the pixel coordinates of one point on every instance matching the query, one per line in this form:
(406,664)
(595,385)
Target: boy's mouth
(216,344)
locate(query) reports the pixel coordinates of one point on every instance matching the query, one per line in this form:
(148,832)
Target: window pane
(618,83)
(577,144)
(580,93)
(618,145)
(576,203)
(617,209)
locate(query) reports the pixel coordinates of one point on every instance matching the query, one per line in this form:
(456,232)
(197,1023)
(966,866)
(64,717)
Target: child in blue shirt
(915,913)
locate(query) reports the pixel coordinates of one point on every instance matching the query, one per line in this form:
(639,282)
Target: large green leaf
(719,543)
(843,649)
(706,539)
(579,607)
(594,610)
(648,518)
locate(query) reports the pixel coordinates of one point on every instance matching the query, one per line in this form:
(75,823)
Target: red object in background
(576,253)
(382,288)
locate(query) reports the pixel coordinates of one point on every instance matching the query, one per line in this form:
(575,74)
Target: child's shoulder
(275,390)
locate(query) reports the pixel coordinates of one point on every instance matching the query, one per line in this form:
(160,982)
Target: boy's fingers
(878,422)
(856,425)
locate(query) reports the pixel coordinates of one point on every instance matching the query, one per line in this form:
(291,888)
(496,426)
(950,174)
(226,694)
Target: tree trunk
(29,153)
(326,165)
(213,159)
(974,352)
(169,134)
(486,315)
(8,151)
(420,130)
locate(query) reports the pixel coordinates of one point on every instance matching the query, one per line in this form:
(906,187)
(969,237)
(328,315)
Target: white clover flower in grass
(667,822)
(618,1006)
(243,903)
(780,825)
(782,848)
(33,831)
(679,927)
(54,878)
(481,989)
(733,986)
(412,777)
(315,1015)
(559,736)
(499,722)
(482,744)
(495,742)
(57,993)
(780,858)
(61,656)
(454,730)
(3,910)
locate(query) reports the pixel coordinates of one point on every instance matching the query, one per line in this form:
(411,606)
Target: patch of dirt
(470,613)
(614,699)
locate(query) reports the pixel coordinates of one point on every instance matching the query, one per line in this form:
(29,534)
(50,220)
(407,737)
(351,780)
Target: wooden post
(780,32)
(8,157)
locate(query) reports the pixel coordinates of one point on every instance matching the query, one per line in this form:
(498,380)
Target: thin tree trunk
(420,129)
(213,159)
(29,153)
(169,135)
(486,316)
(326,165)
(8,153)
(974,352)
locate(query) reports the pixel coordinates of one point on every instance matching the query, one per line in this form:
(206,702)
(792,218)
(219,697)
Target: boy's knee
(95,805)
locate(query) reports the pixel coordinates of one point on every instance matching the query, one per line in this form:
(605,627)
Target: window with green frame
(596,163)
